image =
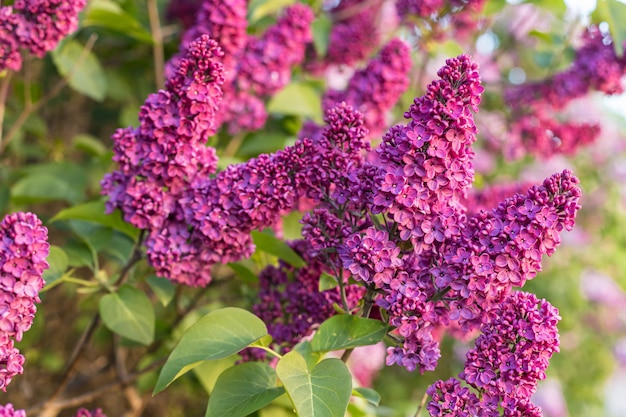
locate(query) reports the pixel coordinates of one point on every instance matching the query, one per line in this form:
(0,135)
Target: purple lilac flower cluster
(517,339)
(166,155)
(256,67)
(460,17)
(595,68)
(36,25)
(9,411)
(23,252)
(291,304)
(427,163)
(374,89)
(429,263)
(357,22)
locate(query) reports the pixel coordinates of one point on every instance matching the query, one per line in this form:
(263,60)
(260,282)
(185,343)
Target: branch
(30,108)
(157,47)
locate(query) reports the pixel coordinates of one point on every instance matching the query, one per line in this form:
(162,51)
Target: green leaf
(244,272)
(81,68)
(89,144)
(163,289)
(109,15)
(262,142)
(327,282)
(94,211)
(321,34)
(344,331)
(243,389)
(258,9)
(129,313)
(269,244)
(207,372)
(613,12)
(298,99)
(58,261)
(321,391)
(372,396)
(36,188)
(217,335)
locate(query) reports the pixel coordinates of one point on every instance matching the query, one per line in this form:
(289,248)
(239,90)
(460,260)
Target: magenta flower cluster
(166,156)
(256,67)
(23,252)
(430,264)
(290,302)
(9,411)
(375,89)
(36,25)
(518,337)
(460,17)
(357,22)
(536,129)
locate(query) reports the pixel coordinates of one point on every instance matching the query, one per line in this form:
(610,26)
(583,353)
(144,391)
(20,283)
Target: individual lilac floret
(518,338)
(290,303)
(23,251)
(374,89)
(83,412)
(9,411)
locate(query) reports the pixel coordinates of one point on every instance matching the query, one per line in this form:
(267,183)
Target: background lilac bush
(216,204)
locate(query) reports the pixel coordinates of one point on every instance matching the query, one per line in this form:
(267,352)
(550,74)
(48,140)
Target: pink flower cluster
(460,17)
(375,89)
(535,129)
(357,22)
(36,25)
(23,252)
(256,67)
(166,155)
(511,355)
(83,412)
(9,411)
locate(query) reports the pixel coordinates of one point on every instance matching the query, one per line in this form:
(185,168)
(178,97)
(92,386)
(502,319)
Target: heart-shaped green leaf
(219,334)
(344,331)
(243,389)
(321,391)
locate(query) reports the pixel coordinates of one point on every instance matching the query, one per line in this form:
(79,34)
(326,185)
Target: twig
(422,404)
(157,47)
(78,351)
(4,91)
(95,393)
(367,309)
(29,109)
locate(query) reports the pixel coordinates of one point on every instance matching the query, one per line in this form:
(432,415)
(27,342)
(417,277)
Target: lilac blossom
(518,337)
(256,66)
(9,411)
(23,251)
(595,68)
(357,22)
(165,156)
(375,89)
(36,25)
